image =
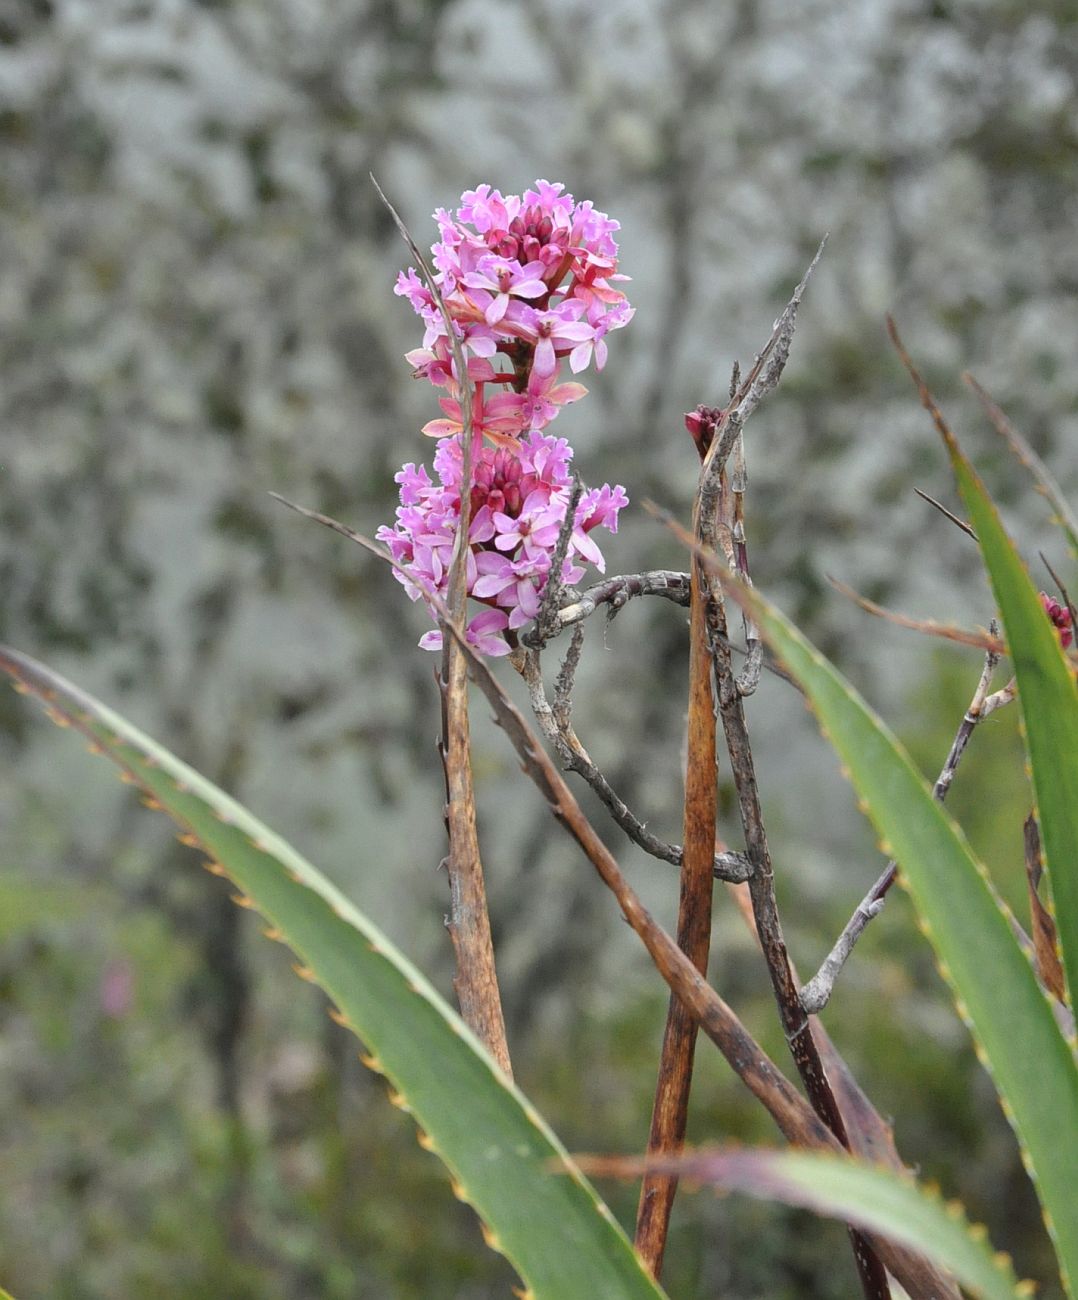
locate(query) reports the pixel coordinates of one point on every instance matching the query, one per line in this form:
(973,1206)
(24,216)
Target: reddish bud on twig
(702,424)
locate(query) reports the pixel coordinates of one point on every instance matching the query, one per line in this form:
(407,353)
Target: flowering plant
(527,282)
(523,285)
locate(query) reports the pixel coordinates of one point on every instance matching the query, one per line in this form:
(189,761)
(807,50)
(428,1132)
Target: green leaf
(995,988)
(1048,697)
(871,1197)
(553,1228)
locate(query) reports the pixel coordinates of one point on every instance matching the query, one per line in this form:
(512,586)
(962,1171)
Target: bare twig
(574,757)
(958,523)
(946,631)
(615,593)
(817,992)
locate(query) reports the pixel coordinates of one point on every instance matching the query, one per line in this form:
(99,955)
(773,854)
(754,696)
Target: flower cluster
(1060,617)
(518,503)
(528,282)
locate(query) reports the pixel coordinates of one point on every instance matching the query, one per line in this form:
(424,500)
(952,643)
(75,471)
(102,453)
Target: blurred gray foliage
(196,308)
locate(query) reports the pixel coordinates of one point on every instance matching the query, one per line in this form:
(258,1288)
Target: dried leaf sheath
(670,1111)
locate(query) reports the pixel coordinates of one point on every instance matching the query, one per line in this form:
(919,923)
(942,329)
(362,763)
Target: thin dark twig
(563,685)
(816,993)
(958,523)
(732,867)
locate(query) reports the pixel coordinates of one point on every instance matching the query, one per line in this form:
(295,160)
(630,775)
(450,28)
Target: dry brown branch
(963,636)
(670,1110)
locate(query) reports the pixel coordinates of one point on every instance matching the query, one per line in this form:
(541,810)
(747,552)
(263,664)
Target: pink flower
(500,418)
(544,398)
(519,496)
(560,326)
(502,277)
(614,319)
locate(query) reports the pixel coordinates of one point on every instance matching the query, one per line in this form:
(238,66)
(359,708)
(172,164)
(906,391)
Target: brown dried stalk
(762,379)
(476,980)
(669,1115)
(670,1110)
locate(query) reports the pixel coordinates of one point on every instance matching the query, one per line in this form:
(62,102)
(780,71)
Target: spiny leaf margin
(1048,697)
(996,991)
(555,1230)
(876,1199)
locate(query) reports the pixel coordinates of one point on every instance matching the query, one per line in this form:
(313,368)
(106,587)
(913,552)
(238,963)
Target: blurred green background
(196,309)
